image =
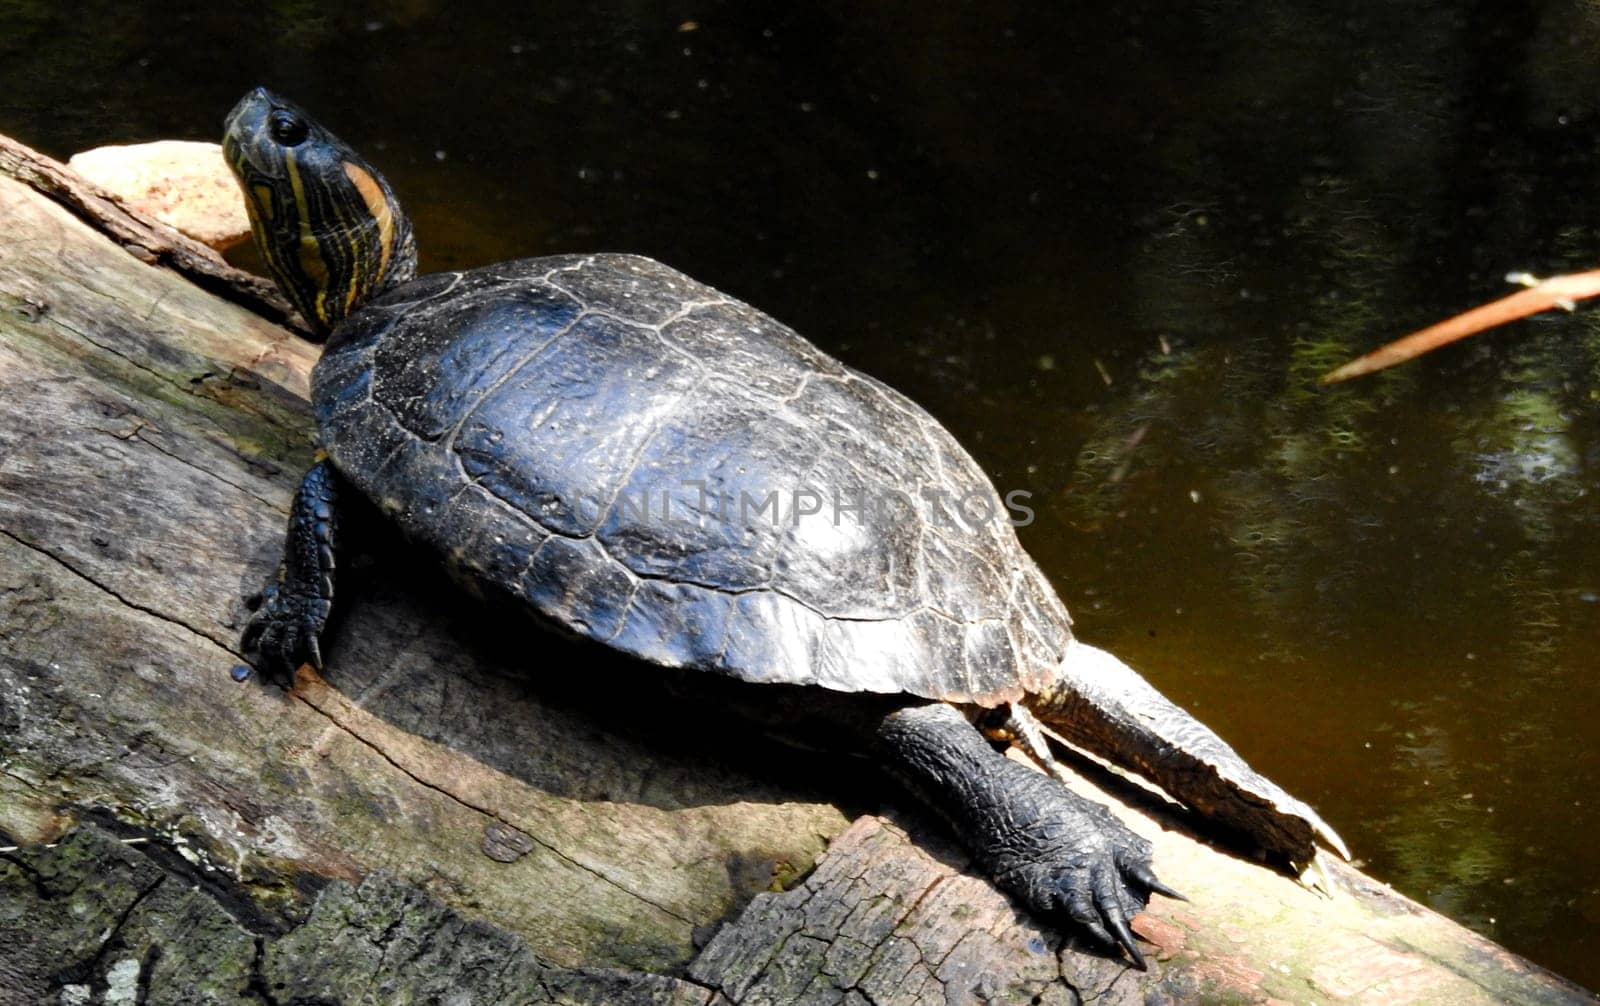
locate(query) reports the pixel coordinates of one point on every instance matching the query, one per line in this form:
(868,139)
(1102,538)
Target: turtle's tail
(1104,706)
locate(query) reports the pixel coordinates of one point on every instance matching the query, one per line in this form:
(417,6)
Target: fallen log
(465,807)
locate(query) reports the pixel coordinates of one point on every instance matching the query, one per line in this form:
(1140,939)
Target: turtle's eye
(287,128)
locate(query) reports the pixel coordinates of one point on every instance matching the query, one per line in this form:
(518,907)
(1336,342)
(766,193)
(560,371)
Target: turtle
(638,459)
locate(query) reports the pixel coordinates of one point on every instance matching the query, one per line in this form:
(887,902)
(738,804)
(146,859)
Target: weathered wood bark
(467,807)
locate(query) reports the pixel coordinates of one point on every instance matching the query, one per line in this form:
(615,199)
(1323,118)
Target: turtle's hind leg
(291,613)
(1103,705)
(1057,852)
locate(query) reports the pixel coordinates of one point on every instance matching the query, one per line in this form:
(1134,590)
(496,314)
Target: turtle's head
(326,223)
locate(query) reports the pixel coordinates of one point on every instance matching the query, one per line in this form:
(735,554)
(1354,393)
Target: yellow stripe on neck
(312,264)
(378,206)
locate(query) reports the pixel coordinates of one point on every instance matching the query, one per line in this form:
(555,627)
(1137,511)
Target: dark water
(1110,247)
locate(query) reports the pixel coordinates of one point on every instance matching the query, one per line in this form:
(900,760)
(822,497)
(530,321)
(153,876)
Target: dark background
(1110,246)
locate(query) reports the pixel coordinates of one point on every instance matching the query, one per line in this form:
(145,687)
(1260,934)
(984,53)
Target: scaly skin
(1104,706)
(292,613)
(1049,847)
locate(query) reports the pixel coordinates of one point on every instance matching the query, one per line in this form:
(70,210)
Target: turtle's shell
(633,453)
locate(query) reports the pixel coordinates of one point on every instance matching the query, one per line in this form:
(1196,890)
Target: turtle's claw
(1329,836)
(1316,876)
(1147,878)
(1103,908)
(1125,941)
(1082,910)
(1115,915)
(284,632)
(256,626)
(1100,887)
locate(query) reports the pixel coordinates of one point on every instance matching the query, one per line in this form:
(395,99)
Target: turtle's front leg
(1046,845)
(292,612)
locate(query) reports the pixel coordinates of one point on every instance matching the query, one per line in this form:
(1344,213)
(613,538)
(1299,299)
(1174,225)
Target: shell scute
(429,373)
(585,406)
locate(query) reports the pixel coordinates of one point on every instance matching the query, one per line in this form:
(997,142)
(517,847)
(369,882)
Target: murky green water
(1110,248)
